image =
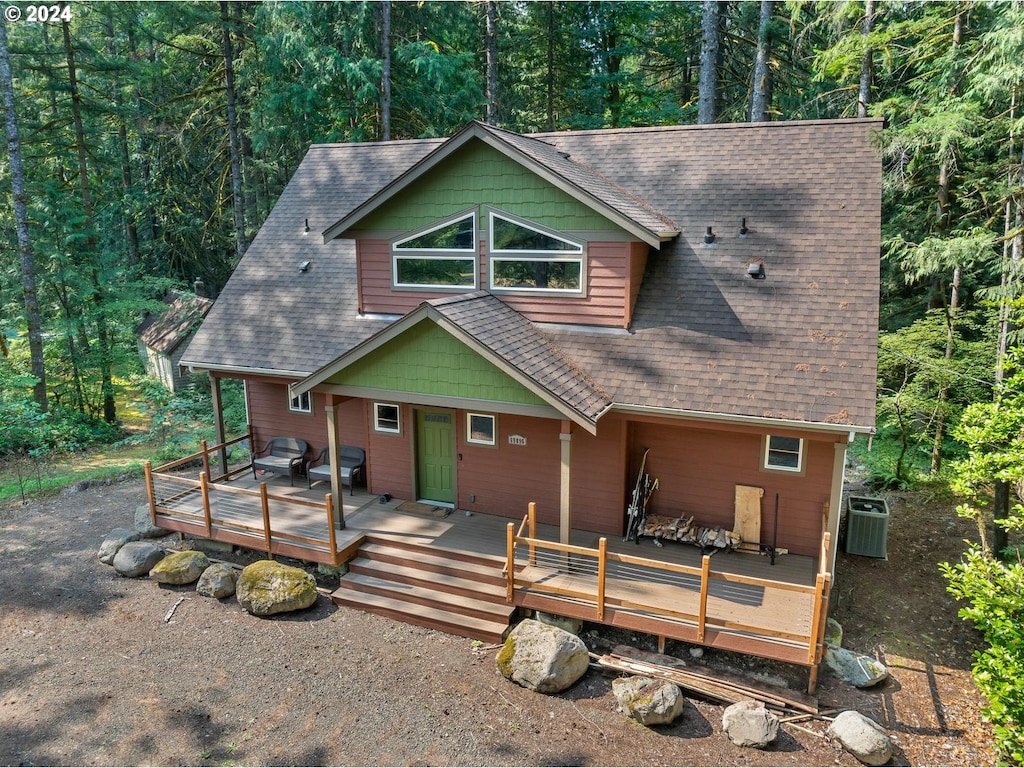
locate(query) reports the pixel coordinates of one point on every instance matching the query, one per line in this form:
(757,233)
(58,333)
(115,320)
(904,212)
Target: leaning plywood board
(748,517)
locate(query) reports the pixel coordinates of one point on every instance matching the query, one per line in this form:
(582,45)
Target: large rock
(750,724)
(649,702)
(217,581)
(137,558)
(267,587)
(543,658)
(116,539)
(144,524)
(855,668)
(833,633)
(180,568)
(862,737)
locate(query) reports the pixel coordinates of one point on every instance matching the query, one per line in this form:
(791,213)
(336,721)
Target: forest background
(147,142)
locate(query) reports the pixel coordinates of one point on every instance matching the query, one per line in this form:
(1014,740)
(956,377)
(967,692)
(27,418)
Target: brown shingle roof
(705,338)
(166,331)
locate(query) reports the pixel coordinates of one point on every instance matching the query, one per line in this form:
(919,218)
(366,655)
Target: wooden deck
(730,600)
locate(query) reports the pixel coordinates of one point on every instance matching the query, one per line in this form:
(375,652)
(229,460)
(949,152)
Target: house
(162,338)
(498,319)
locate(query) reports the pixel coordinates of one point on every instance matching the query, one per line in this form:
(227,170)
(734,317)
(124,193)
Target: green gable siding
(428,360)
(477,175)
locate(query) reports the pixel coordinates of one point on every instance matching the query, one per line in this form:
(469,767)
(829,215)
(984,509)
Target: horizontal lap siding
(506,478)
(270,416)
(389,457)
(698,471)
(598,488)
(608,269)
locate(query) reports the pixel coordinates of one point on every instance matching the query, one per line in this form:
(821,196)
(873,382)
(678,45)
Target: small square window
(480,429)
(301,404)
(387,418)
(784,453)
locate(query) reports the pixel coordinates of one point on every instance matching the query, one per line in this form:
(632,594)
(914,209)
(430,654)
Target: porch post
(834,506)
(337,489)
(564,521)
(218,422)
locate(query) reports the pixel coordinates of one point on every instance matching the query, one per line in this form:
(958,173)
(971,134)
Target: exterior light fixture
(755,270)
(709,237)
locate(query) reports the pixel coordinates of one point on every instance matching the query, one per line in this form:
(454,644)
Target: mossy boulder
(180,568)
(543,658)
(648,701)
(267,587)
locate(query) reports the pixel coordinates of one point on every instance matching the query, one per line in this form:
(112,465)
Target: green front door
(435,456)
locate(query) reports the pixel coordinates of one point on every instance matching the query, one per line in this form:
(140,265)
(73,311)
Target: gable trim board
(499,140)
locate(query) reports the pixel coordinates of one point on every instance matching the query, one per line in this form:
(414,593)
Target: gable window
(387,418)
(784,453)
(480,429)
(438,257)
(528,257)
(300,404)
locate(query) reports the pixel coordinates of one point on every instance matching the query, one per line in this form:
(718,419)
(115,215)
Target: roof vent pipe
(306,230)
(743,227)
(709,236)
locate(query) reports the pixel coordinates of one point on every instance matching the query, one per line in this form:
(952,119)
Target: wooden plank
(748,517)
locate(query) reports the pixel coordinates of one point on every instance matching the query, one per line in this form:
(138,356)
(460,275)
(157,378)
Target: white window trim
(800,453)
(396,245)
(494,255)
(469,429)
(399,252)
(397,430)
(295,404)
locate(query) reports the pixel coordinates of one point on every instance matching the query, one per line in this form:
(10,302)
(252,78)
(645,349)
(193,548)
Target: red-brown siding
(698,471)
(611,267)
(598,488)
(389,457)
(270,416)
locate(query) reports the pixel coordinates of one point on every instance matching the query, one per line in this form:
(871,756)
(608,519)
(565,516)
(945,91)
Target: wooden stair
(455,592)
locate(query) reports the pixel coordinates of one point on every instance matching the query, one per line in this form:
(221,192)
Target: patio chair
(353,462)
(280,454)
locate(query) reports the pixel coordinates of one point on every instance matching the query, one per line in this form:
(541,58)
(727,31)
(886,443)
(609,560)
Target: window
(526,257)
(480,429)
(300,404)
(387,418)
(784,453)
(441,256)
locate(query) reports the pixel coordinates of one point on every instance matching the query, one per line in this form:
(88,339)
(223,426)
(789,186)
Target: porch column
(564,521)
(218,421)
(835,504)
(337,489)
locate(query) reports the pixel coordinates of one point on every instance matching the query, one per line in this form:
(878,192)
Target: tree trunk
(236,156)
(92,269)
(707,106)
(866,63)
(124,157)
(550,80)
(492,63)
(385,74)
(26,258)
(760,93)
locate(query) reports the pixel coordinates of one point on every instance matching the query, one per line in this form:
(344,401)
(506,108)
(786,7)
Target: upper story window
(438,257)
(530,258)
(300,404)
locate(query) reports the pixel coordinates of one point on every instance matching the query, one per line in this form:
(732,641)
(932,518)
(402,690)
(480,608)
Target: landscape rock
(144,524)
(648,701)
(137,558)
(217,581)
(543,658)
(833,633)
(750,724)
(267,587)
(855,668)
(116,539)
(180,568)
(862,737)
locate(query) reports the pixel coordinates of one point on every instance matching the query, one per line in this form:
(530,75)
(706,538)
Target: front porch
(729,600)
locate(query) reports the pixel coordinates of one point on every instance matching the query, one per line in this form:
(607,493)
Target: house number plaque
(516,440)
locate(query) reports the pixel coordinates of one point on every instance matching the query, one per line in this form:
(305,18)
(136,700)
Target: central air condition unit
(867,526)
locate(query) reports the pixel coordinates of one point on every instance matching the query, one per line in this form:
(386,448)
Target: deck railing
(595,574)
(186,504)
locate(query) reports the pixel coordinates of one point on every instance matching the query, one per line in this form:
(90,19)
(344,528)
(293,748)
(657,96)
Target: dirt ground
(92,674)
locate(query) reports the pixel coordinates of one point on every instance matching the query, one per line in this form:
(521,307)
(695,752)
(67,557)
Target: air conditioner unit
(867,526)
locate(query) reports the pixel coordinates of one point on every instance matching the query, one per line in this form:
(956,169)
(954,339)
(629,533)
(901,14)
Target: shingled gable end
(551,306)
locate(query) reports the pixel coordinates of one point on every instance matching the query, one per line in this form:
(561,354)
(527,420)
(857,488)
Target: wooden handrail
(266,519)
(204,489)
(602,572)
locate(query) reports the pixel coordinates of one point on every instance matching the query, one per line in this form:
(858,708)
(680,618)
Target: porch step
(457,593)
